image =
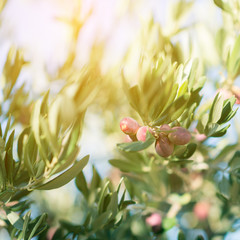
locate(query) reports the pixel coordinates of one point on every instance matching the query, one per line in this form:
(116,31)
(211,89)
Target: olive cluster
(166,137)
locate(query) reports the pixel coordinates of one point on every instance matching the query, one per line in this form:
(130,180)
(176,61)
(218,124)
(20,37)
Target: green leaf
(173,111)
(230,116)
(101,220)
(65,177)
(221,132)
(26,131)
(224,187)
(96,180)
(224,5)
(199,237)
(113,205)
(227,112)
(181,236)
(69,142)
(216,109)
(25,224)
(44,104)
(123,196)
(188,114)
(40,168)
(180,9)
(119,186)
(14,219)
(135,98)
(3,166)
(2,175)
(35,121)
(202,123)
(126,203)
(177,163)
(6,195)
(183,89)
(7,128)
(9,144)
(2,145)
(81,184)
(227,150)
(53,117)
(65,163)
(59,234)
(102,196)
(2,5)
(74,137)
(189,151)
(220,39)
(192,76)
(41,220)
(234,163)
(134,157)
(9,165)
(127,166)
(27,161)
(20,206)
(32,149)
(211,128)
(51,139)
(233,61)
(163,99)
(35,124)
(76,229)
(137,146)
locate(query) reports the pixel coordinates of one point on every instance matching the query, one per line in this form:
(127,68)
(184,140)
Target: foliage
(40,139)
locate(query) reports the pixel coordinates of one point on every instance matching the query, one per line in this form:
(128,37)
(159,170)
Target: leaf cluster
(105,208)
(165,92)
(212,123)
(19,224)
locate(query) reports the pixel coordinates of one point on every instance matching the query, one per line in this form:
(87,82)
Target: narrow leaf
(137,146)
(14,219)
(216,109)
(172,112)
(191,148)
(7,128)
(25,224)
(81,184)
(233,63)
(38,224)
(224,5)
(65,177)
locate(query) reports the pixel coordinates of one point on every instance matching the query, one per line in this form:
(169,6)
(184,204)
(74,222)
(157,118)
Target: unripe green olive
(163,146)
(129,125)
(179,137)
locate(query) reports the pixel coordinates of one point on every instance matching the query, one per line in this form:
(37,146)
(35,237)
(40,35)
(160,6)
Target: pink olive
(129,125)
(236,92)
(141,133)
(201,210)
(165,127)
(179,137)
(154,220)
(163,146)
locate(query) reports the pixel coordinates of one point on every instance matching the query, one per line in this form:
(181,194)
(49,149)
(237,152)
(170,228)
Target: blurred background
(51,31)
(62,36)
